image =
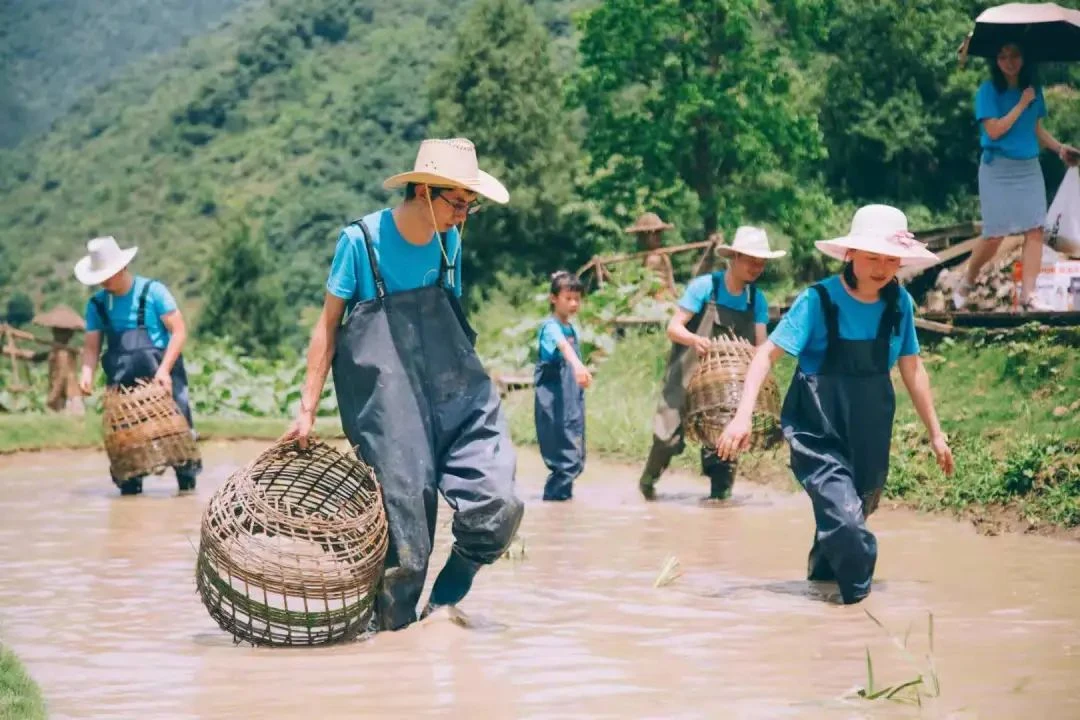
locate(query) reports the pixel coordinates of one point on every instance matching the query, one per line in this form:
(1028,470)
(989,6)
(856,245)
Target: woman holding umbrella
(1012,193)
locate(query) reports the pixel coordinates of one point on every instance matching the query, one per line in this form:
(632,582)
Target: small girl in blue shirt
(560,379)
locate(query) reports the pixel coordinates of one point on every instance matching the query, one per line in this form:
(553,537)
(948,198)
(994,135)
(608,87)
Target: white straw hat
(105,260)
(750,241)
(880,229)
(450,163)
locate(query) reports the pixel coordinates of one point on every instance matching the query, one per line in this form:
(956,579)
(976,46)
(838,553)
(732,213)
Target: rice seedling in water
(669,573)
(925,684)
(516,550)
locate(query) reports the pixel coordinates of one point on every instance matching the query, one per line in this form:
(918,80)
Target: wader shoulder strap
(102,312)
(380,286)
(140,319)
(828,308)
(444,268)
(752,299)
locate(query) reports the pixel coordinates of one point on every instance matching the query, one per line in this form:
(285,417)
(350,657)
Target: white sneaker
(1033,304)
(959,296)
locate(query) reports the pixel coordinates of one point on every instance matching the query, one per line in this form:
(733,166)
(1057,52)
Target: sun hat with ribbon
(750,241)
(880,229)
(104,260)
(450,163)
(648,222)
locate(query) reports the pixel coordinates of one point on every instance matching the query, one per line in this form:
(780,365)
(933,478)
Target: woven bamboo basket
(715,390)
(292,548)
(145,433)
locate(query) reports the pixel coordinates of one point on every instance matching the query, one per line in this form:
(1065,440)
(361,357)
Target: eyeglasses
(470,207)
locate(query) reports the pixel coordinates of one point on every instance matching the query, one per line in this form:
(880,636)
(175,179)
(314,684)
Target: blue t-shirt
(700,289)
(1021,142)
(802,332)
(551,332)
(404,266)
(123,310)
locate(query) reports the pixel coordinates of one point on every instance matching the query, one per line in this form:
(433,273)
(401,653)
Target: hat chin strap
(435,225)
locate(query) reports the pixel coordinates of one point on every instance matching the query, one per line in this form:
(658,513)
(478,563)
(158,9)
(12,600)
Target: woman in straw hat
(726,300)
(413,397)
(649,229)
(847,332)
(145,333)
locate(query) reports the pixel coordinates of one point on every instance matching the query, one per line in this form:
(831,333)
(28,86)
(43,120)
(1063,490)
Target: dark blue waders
(129,356)
(417,405)
(668,435)
(838,423)
(559,412)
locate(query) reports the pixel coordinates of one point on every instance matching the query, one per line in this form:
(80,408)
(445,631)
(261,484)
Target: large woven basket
(715,390)
(144,430)
(292,548)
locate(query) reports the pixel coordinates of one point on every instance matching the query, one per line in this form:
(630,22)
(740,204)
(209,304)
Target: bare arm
(761,334)
(917,382)
(581,373)
(997,127)
(1048,141)
(174,323)
(321,352)
(677,332)
(91,350)
(736,436)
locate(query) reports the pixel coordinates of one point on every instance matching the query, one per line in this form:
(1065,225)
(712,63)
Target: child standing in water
(560,380)
(847,332)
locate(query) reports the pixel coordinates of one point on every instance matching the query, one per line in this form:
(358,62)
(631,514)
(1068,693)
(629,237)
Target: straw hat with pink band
(882,230)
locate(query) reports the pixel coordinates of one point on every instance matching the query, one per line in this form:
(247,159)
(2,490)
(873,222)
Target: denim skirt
(1012,195)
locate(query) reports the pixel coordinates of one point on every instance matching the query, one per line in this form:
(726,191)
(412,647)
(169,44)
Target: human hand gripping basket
(292,547)
(144,430)
(715,390)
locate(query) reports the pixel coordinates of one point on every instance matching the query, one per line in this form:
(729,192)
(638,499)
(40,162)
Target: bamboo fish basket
(292,548)
(715,390)
(145,433)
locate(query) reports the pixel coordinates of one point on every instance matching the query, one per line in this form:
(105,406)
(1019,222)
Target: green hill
(287,121)
(54,51)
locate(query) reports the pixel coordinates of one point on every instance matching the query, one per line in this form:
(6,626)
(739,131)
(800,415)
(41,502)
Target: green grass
(1010,405)
(20,697)
(55,432)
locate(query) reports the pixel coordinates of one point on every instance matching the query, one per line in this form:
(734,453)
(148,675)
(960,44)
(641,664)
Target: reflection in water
(97,595)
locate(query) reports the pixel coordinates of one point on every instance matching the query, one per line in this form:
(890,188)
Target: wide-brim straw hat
(60,317)
(450,163)
(649,222)
(104,260)
(880,229)
(750,241)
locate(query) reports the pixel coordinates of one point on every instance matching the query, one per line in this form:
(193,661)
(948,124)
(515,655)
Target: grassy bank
(1010,405)
(20,432)
(20,697)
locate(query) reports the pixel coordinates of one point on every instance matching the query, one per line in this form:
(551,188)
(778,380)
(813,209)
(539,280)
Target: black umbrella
(1045,31)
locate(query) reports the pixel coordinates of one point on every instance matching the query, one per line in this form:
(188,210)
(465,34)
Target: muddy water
(97,596)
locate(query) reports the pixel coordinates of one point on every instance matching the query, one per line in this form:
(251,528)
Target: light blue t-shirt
(123,310)
(1021,142)
(700,289)
(551,331)
(404,266)
(802,332)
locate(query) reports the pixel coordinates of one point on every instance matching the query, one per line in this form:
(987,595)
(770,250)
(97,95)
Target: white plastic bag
(1063,219)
